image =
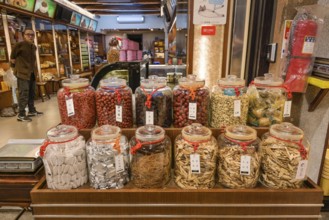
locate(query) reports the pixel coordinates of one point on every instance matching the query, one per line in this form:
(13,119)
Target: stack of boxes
(130,51)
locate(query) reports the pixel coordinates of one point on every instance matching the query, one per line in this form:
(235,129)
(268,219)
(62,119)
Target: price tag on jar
(237,108)
(192,110)
(119,163)
(245,165)
(118,113)
(69,105)
(195,163)
(287,109)
(301,170)
(149,118)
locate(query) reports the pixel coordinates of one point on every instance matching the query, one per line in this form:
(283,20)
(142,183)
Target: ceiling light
(124,19)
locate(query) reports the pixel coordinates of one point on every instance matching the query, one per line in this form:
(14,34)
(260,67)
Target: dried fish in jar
(284,157)
(195,158)
(239,159)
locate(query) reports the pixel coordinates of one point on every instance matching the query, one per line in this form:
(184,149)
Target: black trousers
(26,91)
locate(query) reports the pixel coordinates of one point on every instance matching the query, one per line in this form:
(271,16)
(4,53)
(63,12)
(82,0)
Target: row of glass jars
(238,158)
(230,103)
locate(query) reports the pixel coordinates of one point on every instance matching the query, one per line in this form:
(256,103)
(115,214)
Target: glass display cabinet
(64,61)
(75,50)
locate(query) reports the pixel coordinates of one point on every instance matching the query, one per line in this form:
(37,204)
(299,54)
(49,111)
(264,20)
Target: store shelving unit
(159,52)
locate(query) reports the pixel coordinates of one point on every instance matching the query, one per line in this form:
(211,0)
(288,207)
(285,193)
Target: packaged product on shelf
(113,54)
(123,56)
(284,157)
(267,100)
(150,151)
(114,103)
(153,102)
(229,103)
(191,102)
(239,159)
(108,158)
(139,55)
(76,102)
(195,158)
(64,158)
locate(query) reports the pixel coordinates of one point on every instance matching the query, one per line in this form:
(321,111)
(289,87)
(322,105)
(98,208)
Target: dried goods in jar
(195,158)
(191,102)
(284,157)
(114,103)
(239,159)
(76,103)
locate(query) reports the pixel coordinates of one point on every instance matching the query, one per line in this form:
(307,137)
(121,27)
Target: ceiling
(126,7)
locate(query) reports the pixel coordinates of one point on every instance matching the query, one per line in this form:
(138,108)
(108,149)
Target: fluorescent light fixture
(128,19)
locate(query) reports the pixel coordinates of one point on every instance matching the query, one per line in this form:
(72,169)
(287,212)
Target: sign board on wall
(27,5)
(210,12)
(45,7)
(208,30)
(76,19)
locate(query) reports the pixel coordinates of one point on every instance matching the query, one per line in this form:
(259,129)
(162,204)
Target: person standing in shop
(23,60)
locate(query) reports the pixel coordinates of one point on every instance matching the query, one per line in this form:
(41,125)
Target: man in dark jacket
(23,58)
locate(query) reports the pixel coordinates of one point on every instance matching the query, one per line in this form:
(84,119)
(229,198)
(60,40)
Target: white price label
(287,109)
(69,106)
(301,170)
(237,108)
(192,109)
(119,163)
(195,163)
(149,118)
(118,113)
(245,165)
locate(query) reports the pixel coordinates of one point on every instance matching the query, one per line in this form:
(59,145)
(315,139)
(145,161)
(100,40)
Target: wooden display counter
(175,203)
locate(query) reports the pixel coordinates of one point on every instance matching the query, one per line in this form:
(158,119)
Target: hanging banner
(210,12)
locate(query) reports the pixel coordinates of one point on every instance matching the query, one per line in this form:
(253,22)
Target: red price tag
(208,30)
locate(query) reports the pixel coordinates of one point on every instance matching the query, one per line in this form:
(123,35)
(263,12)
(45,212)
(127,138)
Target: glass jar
(239,159)
(195,158)
(267,98)
(113,54)
(153,102)
(114,103)
(150,151)
(229,103)
(108,158)
(191,102)
(64,158)
(171,77)
(76,103)
(284,157)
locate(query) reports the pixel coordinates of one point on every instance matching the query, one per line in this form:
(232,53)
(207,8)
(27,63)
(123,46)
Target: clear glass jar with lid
(239,157)
(114,103)
(195,158)
(150,151)
(153,102)
(229,103)
(64,157)
(108,158)
(191,102)
(76,103)
(267,97)
(285,152)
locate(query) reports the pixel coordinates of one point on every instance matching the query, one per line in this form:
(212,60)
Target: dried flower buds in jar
(267,99)
(153,102)
(191,102)
(284,157)
(64,157)
(76,103)
(108,158)
(114,103)
(229,103)
(239,159)
(195,158)
(150,162)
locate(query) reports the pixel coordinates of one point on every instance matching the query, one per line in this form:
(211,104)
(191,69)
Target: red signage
(208,30)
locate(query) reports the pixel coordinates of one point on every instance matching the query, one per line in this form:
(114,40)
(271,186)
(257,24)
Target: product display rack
(75,50)
(159,52)
(84,52)
(175,203)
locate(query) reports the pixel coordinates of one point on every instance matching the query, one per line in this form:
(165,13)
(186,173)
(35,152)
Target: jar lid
(153,82)
(113,82)
(179,74)
(62,133)
(191,81)
(268,80)
(196,132)
(170,74)
(150,133)
(231,80)
(241,132)
(105,132)
(75,82)
(287,131)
